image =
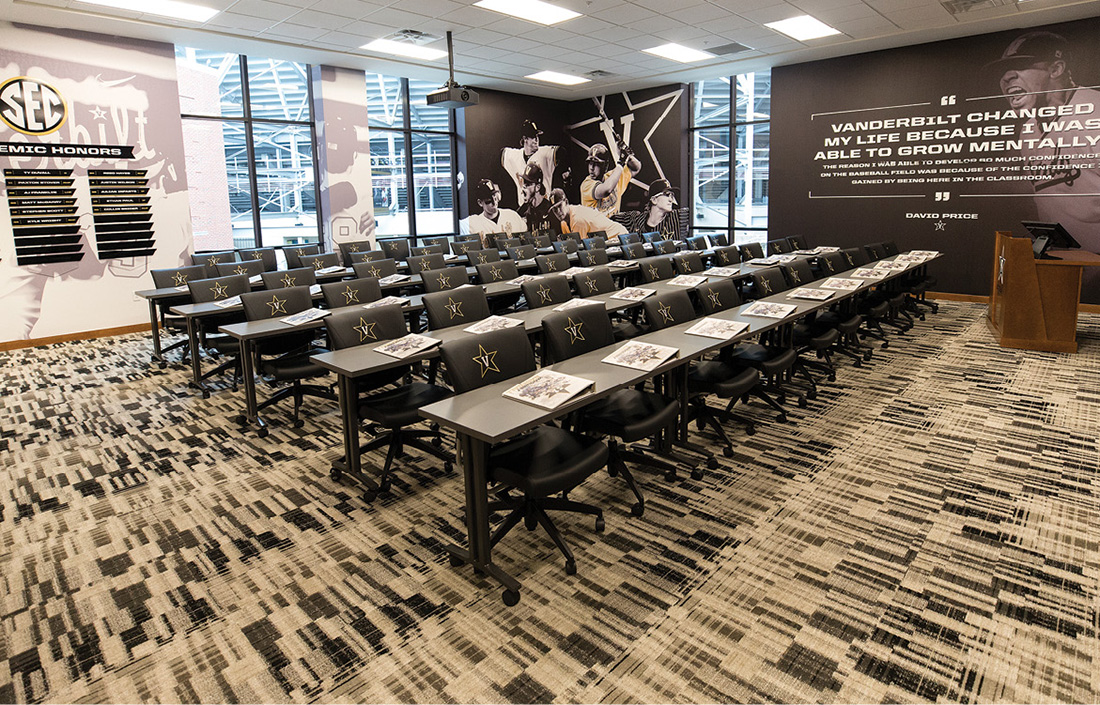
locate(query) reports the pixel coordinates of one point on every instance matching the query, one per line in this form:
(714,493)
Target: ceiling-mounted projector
(452,95)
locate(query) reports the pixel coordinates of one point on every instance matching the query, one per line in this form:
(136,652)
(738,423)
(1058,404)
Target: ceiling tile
(701,14)
(352,9)
(265,9)
(625,15)
(921,17)
(235,21)
(867,27)
(322,20)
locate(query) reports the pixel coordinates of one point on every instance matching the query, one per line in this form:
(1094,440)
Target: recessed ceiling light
(555,77)
(677,52)
(803,27)
(163,8)
(533,10)
(404,49)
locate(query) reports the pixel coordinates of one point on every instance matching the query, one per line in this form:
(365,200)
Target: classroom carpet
(925,530)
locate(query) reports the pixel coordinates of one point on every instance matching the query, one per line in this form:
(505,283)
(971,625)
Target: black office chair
(351,292)
(546,291)
(539,242)
(592,258)
(627,415)
(209,291)
(815,334)
(567,245)
(575,237)
(844,315)
(498,271)
(504,243)
(375,269)
(720,239)
(485,256)
(521,252)
(425,263)
(697,242)
(665,247)
(365,256)
(394,409)
(425,250)
(321,261)
(347,249)
(778,247)
(630,239)
(396,249)
(729,256)
(287,278)
(775,345)
(441,244)
(467,237)
(542,462)
(656,268)
(652,236)
(688,263)
(598,281)
(594,242)
(266,255)
(455,307)
(751,250)
(170,322)
(210,260)
(249,268)
(295,253)
(557,262)
(797,242)
(461,247)
(286,358)
(444,279)
(633,250)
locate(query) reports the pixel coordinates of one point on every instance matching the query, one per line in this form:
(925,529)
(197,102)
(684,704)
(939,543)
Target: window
(731,135)
(412,147)
(249,145)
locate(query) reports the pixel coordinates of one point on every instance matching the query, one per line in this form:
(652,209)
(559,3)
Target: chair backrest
(656,268)
(797,242)
(261,305)
(427,250)
(634,250)
(217,288)
(211,259)
(592,258)
(715,296)
(598,281)
(284,279)
(504,243)
(396,249)
(665,247)
(594,242)
(444,279)
(874,251)
(720,239)
(456,307)
(668,309)
(575,237)
(521,252)
(629,239)
(249,268)
(798,272)
(546,291)
(854,256)
(539,241)
(833,263)
(177,276)
(347,249)
(575,332)
(349,292)
(500,271)
(727,256)
(697,242)
(477,257)
(593,234)
(366,256)
(491,239)
(425,263)
(652,236)
(467,237)
(461,247)
(778,247)
(889,247)
(441,243)
(323,260)
(377,269)
(477,360)
(295,253)
(264,254)
(688,262)
(360,326)
(557,262)
(751,250)
(567,246)
(769,281)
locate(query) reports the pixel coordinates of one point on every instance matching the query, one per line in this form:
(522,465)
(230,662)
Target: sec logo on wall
(31,107)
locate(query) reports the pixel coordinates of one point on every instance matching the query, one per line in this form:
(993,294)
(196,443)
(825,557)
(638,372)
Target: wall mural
(94,186)
(940,145)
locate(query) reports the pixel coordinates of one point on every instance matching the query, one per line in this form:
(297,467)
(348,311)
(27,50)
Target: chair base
(395,440)
(532,510)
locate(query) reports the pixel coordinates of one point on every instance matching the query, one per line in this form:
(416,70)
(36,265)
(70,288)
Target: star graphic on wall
(666,313)
(486,359)
(220,291)
(574,330)
(765,286)
(350,295)
(288,281)
(240,269)
(715,299)
(98,113)
(375,272)
(445,281)
(366,330)
(454,307)
(276,304)
(941,225)
(544,295)
(498,273)
(180,278)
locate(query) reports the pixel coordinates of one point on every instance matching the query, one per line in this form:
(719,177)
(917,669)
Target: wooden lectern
(1034,301)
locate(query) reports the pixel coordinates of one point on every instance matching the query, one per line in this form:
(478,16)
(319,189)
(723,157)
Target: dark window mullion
(250,145)
(410,192)
(731,164)
(317,209)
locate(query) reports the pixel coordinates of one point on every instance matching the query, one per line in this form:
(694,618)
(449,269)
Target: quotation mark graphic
(943,195)
(947,100)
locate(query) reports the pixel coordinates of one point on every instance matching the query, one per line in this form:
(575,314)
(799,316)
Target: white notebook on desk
(548,389)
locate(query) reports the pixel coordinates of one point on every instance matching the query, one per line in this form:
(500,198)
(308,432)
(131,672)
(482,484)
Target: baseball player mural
(515,160)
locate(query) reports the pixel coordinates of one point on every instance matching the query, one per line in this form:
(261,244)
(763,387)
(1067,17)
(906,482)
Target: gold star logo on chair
(220,291)
(795,278)
(180,278)
(288,281)
(240,270)
(301,252)
(551,265)
(212,261)
(765,286)
(375,272)
(574,330)
(350,295)
(425,266)
(592,287)
(445,281)
(666,313)
(366,330)
(498,273)
(544,295)
(486,359)
(653,272)
(317,263)
(257,255)
(851,261)
(276,304)
(715,299)
(829,265)
(454,308)
(724,258)
(481,258)
(353,248)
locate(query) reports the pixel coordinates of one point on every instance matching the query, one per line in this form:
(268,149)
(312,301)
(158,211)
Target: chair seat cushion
(765,358)
(546,461)
(630,414)
(394,408)
(224,344)
(292,367)
(813,336)
(722,379)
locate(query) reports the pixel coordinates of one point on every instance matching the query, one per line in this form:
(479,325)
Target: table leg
(196,362)
(248,373)
(154,322)
(351,463)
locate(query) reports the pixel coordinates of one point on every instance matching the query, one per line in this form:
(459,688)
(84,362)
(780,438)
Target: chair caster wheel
(206,394)
(369,496)
(510,597)
(728,452)
(700,425)
(697,473)
(570,567)
(670,476)
(782,398)
(832,377)
(162,365)
(262,433)
(448,467)
(922,316)
(857,363)
(298,423)
(335,474)
(712,462)
(241,420)
(600,525)
(638,509)
(867,356)
(750,430)
(384,486)
(437,442)
(530,523)
(802,402)
(781,418)
(885,344)
(455,561)
(612,472)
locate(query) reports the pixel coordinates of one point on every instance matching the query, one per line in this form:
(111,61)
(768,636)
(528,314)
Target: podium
(1033,305)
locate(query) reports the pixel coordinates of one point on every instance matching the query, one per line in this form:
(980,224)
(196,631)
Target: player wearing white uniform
(493,218)
(603,189)
(515,160)
(581,219)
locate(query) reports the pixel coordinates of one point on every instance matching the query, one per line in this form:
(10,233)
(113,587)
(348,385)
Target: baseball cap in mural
(530,129)
(598,154)
(533,174)
(1028,49)
(485,190)
(659,187)
(557,196)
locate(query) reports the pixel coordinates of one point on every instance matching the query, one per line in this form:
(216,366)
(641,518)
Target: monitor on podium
(1047,236)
